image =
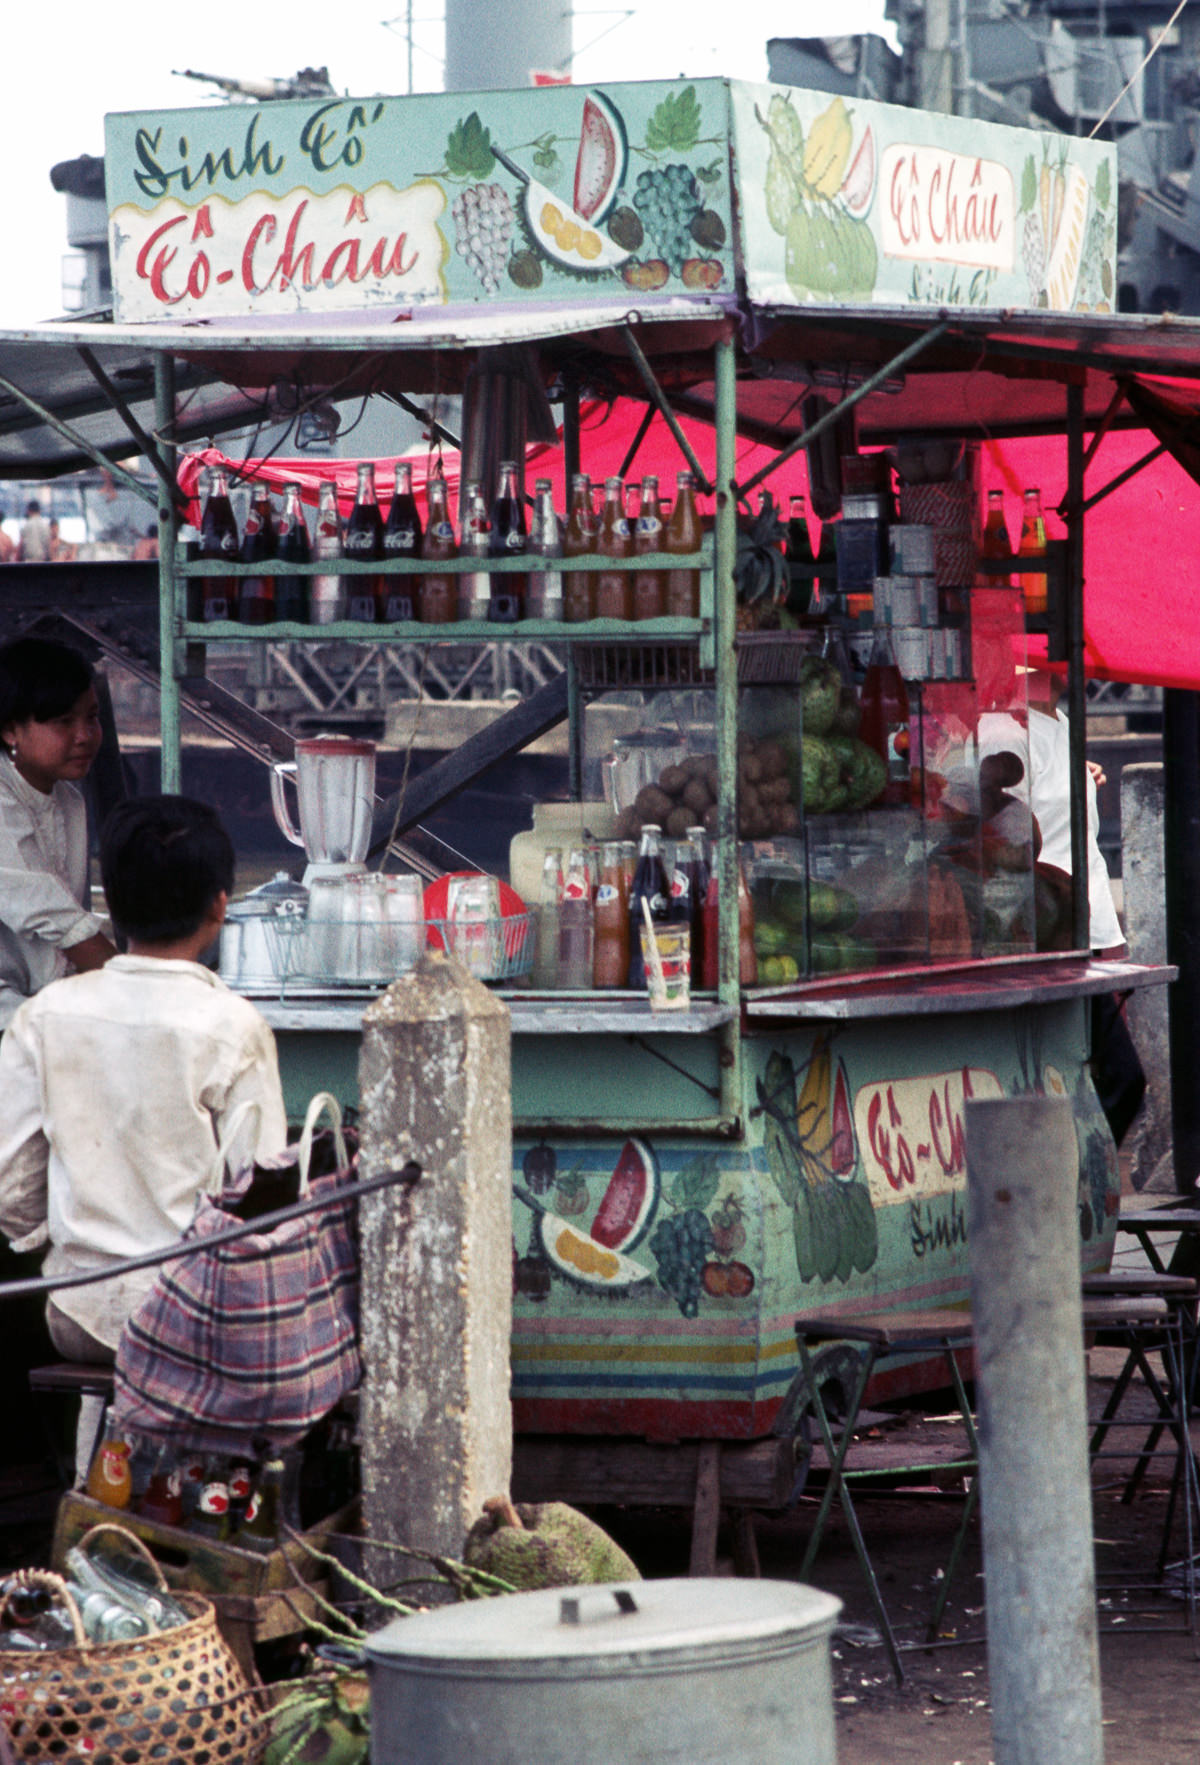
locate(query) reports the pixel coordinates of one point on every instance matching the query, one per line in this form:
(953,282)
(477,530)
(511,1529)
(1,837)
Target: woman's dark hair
(163,862)
(40,678)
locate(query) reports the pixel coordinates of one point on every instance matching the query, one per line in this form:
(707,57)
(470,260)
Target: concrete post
(1143,872)
(436,1419)
(1043,1655)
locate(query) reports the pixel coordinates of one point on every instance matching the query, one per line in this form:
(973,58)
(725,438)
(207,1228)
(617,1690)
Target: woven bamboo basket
(174,1698)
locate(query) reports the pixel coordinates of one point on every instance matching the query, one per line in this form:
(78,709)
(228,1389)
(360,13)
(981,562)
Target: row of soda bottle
(114,1602)
(492,531)
(590,915)
(811,574)
(224,1497)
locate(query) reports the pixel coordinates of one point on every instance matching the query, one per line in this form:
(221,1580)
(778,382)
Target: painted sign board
(570,193)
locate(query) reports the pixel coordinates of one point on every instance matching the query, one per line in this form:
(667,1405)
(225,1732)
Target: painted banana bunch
(1067,234)
(819,188)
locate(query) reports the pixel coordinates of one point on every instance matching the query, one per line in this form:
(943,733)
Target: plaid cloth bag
(249,1344)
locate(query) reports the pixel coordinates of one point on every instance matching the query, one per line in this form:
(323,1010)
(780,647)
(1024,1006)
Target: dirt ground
(941,1715)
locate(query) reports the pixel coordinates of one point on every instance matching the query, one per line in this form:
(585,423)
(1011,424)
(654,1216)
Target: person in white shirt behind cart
(50,730)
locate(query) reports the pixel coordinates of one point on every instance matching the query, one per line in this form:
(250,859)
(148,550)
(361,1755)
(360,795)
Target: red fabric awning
(1141,543)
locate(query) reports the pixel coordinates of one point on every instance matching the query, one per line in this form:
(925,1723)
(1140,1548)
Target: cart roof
(981,374)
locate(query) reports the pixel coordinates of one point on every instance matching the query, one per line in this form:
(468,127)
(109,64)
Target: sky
(70,65)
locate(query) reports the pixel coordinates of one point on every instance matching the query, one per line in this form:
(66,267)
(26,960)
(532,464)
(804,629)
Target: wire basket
(499,949)
(177,1694)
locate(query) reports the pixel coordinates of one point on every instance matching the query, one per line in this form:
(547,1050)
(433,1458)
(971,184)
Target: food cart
(822,279)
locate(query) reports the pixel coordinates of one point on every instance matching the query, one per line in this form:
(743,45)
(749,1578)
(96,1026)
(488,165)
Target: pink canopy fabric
(1141,543)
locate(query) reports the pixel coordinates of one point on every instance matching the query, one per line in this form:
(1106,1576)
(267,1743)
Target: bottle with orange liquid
(1032,545)
(683,534)
(580,537)
(110,1478)
(614,588)
(994,541)
(649,589)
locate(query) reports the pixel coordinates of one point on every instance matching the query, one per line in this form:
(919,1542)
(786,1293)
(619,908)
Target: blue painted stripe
(591,1382)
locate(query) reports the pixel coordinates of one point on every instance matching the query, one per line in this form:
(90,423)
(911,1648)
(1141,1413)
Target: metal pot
(249,950)
(695,1672)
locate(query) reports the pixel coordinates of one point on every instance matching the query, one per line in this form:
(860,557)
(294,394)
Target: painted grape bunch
(483,225)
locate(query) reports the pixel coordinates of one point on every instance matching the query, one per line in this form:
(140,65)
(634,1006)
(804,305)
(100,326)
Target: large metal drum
(690,1671)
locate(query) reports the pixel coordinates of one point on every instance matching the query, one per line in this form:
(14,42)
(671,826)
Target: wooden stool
(74,1379)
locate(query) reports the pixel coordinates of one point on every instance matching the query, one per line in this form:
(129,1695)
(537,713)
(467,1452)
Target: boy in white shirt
(118,1084)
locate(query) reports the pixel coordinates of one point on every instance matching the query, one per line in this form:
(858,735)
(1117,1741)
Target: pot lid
(693,1619)
(268,897)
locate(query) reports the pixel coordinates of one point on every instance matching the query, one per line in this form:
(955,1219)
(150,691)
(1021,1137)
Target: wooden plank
(745,1545)
(594,1470)
(506,736)
(706,1512)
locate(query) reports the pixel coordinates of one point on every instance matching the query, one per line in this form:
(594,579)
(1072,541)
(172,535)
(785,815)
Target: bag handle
(48,1582)
(231,1127)
(129,1538)
(324,1103)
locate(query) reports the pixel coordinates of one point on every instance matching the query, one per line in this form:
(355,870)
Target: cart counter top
(896,993)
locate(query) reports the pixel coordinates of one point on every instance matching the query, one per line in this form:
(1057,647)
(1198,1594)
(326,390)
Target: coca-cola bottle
(474,586)
(507,603)
(696,860)
(402,544)
(802,582)
(363,543)
(614,588)
(256,601)
(218,541)
(579,586)
(544,598)
(437,595)
(327,596)
(292,544)
(649,885)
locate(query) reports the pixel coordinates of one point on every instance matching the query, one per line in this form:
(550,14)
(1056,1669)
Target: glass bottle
(507,602)
(803,584)
(614,588)
(825,582)
(437,595)
(679,885)
(110,1478)
(162,1500)
(545,958)
(1032,545)
(545,594)
(697,861)
(683,534)
(994,541)
(649,586)
(327,595)
(885,714)
(292,544)
(402,545)
(610,954)
(475,586)
(259,1530)
(218,540)
(579,592)
(629,858)
(256,599)
(747,955)
(649,885)
(212,1508)
(576,925)
(363,543)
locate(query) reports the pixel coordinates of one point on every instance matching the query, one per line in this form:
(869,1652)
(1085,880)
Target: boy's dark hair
(40,678)
(163,862)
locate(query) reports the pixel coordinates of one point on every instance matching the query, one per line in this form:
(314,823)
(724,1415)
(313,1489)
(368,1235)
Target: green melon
(601,159)
(629,1203)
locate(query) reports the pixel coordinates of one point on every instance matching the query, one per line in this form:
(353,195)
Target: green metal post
(725,629)
(171,771)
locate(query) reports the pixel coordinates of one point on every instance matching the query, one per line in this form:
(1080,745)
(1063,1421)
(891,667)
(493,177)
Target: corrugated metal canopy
(977,373)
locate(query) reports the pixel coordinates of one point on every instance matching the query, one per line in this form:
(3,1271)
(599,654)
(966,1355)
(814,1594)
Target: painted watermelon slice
(601,158)
(582,1260)
(629,1203)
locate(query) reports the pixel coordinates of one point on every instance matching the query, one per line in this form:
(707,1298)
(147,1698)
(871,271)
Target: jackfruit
(544,1544)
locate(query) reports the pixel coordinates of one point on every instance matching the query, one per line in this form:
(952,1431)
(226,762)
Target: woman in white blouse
(50,730)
